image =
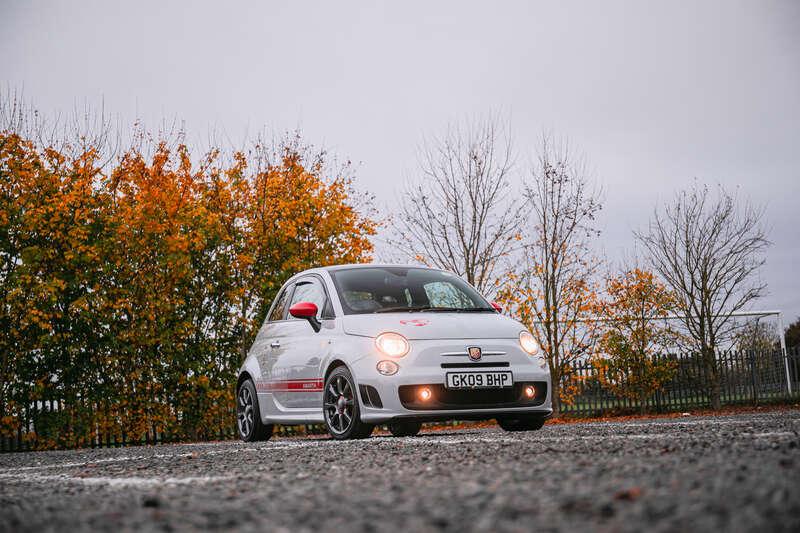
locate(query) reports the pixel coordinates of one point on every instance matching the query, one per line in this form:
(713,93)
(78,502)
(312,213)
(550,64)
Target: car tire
(341,409)
(404,428)
(248,415)
(528,423)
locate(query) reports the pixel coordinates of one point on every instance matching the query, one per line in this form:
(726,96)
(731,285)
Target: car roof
(375,265)
(334,268)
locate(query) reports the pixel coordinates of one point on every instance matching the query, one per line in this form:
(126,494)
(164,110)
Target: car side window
(279,310)
(327,311)
(310,290)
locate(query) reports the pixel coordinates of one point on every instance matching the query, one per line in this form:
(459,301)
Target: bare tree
(554,287)
(462,213)
(84,129)
(709,249)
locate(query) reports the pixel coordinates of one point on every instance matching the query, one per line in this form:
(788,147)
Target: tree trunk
(710,363)
(556,398)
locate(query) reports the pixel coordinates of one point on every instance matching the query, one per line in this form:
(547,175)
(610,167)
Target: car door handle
(275,344)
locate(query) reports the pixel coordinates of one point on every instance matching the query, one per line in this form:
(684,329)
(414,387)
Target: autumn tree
(756,337)
(709,248)
(130,289)
(52,221)
(553,289)
(159,300)
(461,212)
(299,212)
(201,251)
(51,226)
(20,164)
(630,361)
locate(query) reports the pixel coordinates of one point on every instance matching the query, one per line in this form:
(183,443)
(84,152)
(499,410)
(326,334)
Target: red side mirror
(303,310)
(497,307)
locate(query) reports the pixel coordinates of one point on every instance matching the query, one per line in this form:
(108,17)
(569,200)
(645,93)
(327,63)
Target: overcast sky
(655,93)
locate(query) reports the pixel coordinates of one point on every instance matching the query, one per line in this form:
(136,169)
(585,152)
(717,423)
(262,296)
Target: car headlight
(392,344)
(528,343)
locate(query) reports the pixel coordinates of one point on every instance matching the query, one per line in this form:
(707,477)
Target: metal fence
(745,378)
(45,418)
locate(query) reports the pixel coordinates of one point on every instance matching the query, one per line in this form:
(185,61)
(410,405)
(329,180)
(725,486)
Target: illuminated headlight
(392,344)
(528,343)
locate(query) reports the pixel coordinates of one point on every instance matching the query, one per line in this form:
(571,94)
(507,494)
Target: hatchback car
(354,346)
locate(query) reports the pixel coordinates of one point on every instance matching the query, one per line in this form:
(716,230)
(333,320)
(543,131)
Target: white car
(355,346)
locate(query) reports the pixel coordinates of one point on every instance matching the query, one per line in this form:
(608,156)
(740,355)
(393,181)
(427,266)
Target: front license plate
(479,380)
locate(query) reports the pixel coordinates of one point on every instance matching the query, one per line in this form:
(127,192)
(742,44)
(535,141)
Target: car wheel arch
(244,376)
(334,364)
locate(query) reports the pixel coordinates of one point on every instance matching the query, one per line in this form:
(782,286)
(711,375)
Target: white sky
(655,93)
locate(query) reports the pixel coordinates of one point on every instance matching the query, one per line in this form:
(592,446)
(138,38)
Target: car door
(296,382)
(267,346)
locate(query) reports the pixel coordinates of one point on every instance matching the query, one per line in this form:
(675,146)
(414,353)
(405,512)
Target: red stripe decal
(291,385)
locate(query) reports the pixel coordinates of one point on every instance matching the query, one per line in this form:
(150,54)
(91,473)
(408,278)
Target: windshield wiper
(401,309)
(433,309)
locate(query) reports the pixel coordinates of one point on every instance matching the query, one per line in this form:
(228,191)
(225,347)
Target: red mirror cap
(497,307)
(303,310)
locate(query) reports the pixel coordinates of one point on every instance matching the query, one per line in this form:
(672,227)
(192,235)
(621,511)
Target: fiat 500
(355,346)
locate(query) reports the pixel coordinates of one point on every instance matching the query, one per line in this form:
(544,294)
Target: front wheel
(404,428)
(527,423)
(248,415)
(340,405)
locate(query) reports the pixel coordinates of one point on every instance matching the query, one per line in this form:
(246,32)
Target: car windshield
(398,289)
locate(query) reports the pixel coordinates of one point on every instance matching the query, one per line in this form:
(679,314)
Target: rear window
(388,289)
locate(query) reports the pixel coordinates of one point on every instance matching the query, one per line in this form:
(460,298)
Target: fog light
(424,394)
(387,368)
(529,391)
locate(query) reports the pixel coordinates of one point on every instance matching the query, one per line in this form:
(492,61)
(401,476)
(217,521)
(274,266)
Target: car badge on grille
(474,353)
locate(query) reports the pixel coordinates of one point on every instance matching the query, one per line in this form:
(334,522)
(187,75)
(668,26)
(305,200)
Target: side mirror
(307,311)
(497,307)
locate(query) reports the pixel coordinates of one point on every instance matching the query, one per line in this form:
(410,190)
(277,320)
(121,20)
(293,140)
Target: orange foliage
(556,321)
(629,364)
(131,294)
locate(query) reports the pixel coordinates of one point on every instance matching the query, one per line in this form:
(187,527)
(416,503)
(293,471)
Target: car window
(279,309)
(310,290)
(363,300)
(445,294)
(387,289)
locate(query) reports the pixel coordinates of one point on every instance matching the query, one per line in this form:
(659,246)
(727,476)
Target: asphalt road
(737,473)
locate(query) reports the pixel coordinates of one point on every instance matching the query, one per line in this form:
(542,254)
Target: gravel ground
(731,473)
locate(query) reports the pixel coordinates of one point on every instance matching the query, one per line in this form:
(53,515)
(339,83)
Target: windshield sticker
(416,322)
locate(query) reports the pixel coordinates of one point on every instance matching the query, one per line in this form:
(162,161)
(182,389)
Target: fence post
(785,354)
(753,380)
(657,398)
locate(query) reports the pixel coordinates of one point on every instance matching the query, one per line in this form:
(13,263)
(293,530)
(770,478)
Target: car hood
(424,326)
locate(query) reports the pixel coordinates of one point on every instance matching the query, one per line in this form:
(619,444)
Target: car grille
(476,365)
(453,399)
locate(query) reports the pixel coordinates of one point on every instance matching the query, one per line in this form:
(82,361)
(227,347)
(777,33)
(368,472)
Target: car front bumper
(384,398)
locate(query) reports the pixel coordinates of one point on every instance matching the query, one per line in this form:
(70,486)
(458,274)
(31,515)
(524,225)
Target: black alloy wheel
(248,415)
(340,405)
(522,423)
(404,428)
